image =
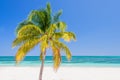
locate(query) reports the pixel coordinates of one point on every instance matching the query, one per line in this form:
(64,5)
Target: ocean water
(111,61)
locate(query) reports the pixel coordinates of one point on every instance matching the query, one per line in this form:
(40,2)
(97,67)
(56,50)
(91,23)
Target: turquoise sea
(111,61)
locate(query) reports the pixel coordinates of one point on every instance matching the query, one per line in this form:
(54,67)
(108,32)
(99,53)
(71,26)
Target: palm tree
(41,28)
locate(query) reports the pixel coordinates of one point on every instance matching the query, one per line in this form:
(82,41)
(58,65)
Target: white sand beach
(64,73)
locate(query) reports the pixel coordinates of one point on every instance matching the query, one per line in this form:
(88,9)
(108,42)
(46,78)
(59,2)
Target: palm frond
(37,17)
(25,48)
(51,29)
(29,29)
(56,16)
(22,39)
(67,36)
(63,47)
(48,8)
(48,18)
(62,26)
(57,35)
(56,55)
(26,22)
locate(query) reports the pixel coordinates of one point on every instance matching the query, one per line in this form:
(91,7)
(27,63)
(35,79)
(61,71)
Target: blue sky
(95,22)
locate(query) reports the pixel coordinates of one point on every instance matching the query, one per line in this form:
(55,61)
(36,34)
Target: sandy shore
(64,73)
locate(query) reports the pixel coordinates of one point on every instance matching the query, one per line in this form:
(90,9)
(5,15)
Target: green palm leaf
(56,16)
(48,9)
(25,22)
(37,17)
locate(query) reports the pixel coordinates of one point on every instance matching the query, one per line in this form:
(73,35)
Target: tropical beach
(59,40)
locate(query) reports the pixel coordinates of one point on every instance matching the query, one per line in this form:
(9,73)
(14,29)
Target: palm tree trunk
(42,66)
